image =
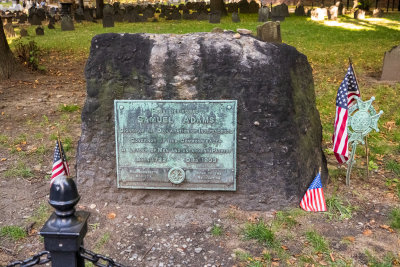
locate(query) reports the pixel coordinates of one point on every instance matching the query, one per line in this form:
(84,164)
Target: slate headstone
(299,11)
(67,24)
(215,17)
(270,32)
(359,14)
(235,17)
(377,13)
(391,65)
(263,14)
(22,18)
(253,7)
(108,16)
(244,7)
(39,30)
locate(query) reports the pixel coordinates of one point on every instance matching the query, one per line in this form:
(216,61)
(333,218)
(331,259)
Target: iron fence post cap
(63,196)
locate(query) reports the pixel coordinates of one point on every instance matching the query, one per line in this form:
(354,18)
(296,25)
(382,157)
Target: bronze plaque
(176,144)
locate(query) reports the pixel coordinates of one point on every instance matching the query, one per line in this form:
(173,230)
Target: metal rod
(350,163)
(366,152)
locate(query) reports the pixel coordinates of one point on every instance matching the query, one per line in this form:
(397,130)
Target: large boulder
(279,131)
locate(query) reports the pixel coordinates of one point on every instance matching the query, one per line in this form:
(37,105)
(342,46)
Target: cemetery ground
(361,227)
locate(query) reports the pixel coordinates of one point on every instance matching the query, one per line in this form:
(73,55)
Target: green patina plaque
(176,144)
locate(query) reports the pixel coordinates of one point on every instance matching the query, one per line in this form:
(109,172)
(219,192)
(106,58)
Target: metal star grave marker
(363,119)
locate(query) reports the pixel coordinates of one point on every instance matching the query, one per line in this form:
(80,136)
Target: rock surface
(277,157)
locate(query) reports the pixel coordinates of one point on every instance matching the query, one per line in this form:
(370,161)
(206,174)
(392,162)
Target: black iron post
(65,229)
(376,4)
(387,6)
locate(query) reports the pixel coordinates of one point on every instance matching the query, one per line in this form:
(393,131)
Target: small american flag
(314,199)
(60,164)
(345,98)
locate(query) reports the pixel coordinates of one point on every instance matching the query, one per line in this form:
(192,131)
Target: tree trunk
(8,64)
(99,9)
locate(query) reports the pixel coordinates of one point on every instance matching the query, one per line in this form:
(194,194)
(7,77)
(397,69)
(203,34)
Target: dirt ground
(31,113)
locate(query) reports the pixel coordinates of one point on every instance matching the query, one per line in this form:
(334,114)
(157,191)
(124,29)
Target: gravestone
(51,26)
(88,14)
(22,18)
(218,6)
(263,14)
(23,32)
(333,13)
(244,7)
(279,133)
(253,7)
(215,17)
(35,19)
(235,17)
(377,13)
(359,14)
(318,14)
(79,15)
(270,32)
(67,24)
(299,11)
(39,30)
(108,16)
(391,65)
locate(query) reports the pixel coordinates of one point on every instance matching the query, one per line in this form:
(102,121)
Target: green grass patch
(375,262)
(337,209)
(14,232)
(41,214)
(260,232)
(217,230)
(395,218)
(3,139)
(68,108)
(20,139)
(102,241)
(318,242)
(287,218)
(20,170)
(393,166)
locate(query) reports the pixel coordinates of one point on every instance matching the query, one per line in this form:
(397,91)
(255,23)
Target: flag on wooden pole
(314,199)
(345,98)
(60,164)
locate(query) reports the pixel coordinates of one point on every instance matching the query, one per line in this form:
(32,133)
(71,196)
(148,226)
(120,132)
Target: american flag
(345,98)
(314,199)
(60,164)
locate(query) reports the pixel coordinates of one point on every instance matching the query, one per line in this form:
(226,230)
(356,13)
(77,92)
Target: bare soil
(31,105)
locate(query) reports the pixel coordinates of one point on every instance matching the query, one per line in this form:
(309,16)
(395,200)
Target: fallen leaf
(284,247)
(386,227)
(367,232)
(349,238)
(332,258)
(111,215)
(275,263)
(323,263)
(3,159)
(2,113)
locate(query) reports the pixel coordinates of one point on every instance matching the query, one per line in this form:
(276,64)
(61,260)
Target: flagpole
(366,137)
(59,149)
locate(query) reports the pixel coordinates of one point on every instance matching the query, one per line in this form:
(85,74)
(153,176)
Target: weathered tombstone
(340,6)
(79,15)
(391,65)
(377,13)
(278,127)
(35,19)
(218,6)
(50,26)
(359,14)
(299,11)
(202,15)
(22,18)
(263,14)
(244,7)
(67,24)
(24,32)
(279,12)
(39,30)
(233,7)
(235,17)
(318,14)
(253,7)
(215,17)
(333,13)
(108,16)
(88,14)
(270,32)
